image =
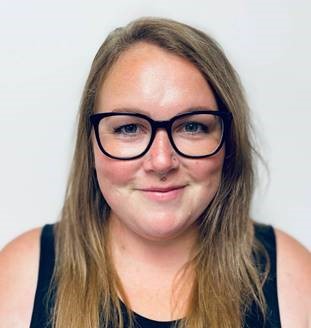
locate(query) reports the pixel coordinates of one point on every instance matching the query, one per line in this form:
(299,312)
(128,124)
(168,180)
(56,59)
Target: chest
(161,298)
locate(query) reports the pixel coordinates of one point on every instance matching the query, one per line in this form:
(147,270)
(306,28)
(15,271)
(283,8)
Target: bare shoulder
(19,263)
(294,281)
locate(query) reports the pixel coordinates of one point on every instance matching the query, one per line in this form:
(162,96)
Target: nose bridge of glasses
(162,125)
(165,125)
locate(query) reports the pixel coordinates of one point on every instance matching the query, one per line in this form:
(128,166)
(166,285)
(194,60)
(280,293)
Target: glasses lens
(124,136)
(198,134)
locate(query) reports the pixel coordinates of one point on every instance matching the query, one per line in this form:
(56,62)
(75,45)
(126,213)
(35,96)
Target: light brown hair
(226,279)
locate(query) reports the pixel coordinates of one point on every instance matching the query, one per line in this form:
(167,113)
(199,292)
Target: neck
(153,276)
(169,255)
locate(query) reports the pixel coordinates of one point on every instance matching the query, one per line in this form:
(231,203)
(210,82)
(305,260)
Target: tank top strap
(42,305)
(266,235)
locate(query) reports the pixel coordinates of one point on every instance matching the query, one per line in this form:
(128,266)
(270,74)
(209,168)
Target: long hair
(226,281)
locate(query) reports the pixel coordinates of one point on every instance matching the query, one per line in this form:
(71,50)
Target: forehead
(149,79)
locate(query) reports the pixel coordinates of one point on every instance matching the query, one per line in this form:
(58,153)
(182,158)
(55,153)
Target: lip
(163,193)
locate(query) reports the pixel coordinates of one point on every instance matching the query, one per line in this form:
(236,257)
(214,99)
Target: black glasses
(127,136)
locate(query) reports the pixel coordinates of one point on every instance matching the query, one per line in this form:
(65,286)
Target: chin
(166,231)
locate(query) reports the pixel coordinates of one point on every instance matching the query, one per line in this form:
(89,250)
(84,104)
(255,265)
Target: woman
(155,229)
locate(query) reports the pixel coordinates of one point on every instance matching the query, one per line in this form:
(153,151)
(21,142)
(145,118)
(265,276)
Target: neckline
(144,320)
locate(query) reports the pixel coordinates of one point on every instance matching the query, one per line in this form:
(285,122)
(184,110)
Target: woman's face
(149,80)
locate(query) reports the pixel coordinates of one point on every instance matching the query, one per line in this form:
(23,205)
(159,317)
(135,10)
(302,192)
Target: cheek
(208,170)
(112,172)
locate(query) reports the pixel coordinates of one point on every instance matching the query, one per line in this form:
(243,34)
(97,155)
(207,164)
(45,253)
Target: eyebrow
(128,110)
(141,111)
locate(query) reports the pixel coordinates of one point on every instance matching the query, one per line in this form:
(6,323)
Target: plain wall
(46,50)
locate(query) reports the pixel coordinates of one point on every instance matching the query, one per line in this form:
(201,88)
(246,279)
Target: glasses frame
(166,125)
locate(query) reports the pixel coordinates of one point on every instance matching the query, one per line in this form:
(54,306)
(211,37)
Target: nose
(161,157)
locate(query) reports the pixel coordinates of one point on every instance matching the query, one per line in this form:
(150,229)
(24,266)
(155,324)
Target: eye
(127,129)
(194,127)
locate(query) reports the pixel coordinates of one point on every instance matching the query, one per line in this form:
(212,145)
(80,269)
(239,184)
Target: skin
(151,240)
(149,80)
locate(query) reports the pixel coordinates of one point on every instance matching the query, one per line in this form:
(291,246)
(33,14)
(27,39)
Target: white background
(46,48)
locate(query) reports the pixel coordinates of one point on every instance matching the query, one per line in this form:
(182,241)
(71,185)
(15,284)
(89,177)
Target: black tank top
(253,318)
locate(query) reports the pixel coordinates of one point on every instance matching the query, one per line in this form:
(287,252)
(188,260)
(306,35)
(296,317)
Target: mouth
(163,194)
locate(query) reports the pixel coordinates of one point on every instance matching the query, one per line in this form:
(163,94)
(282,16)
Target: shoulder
(293,280)
(19,263)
